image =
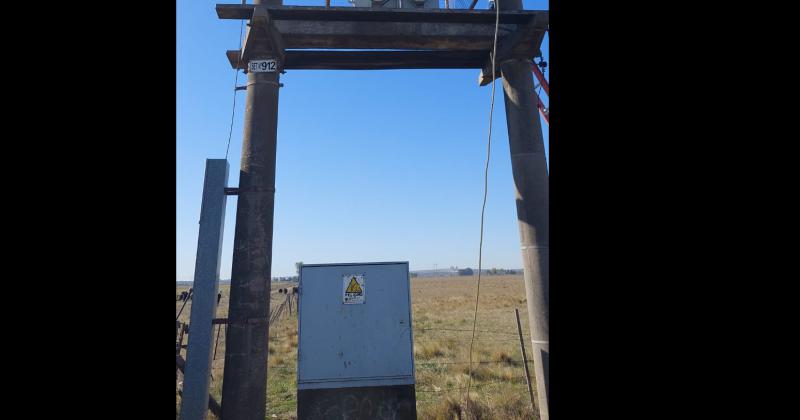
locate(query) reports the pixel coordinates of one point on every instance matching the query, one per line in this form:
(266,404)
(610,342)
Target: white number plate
(263,66)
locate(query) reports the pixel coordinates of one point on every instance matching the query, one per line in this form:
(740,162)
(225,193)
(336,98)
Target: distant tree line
(470,272)
(491,271)
(502,271)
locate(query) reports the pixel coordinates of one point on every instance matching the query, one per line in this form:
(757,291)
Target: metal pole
(178,352)
(188,295)
(216,342)
(180,340)
(194,405)
(524,358)
(529,167)
(244,387)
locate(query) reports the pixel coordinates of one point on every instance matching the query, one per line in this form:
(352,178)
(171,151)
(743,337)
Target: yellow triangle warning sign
(354,287)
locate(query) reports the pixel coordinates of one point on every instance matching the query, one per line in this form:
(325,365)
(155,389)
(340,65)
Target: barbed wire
(459,330)
(488,339)
(430,389)
(290,369)
(424,340)
(419,364)
(482,385)
(487,362)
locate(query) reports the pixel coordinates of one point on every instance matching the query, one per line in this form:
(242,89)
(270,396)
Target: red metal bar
(540,76)
(546,88)
(541,107)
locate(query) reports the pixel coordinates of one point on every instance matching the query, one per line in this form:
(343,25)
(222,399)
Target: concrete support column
(244,392)
(529,168)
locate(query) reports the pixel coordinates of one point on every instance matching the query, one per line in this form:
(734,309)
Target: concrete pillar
(244,387)
(529,168)
(194,402)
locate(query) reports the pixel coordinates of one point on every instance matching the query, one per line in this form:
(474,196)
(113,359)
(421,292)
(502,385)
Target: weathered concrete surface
(529,168)
(244,394)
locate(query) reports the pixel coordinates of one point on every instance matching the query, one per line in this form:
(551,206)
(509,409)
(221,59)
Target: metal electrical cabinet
(355,343)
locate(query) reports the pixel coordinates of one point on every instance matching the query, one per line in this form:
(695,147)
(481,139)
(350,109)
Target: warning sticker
(353,289)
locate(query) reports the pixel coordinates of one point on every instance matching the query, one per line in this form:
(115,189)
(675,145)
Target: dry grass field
(442,316)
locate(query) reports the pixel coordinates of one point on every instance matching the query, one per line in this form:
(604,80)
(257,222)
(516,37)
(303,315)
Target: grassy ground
(442,315)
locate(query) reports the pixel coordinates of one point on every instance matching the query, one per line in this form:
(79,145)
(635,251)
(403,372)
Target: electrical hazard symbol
(353,288)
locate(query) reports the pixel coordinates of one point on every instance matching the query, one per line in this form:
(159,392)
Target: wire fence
(469,331)
(437,378)
(291,368)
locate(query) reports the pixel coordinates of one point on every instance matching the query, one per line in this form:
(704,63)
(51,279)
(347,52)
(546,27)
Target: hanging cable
(485,195)
(235,82)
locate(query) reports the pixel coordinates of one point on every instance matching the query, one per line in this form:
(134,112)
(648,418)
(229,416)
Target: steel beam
(353,14)
(374,60)
(194,405)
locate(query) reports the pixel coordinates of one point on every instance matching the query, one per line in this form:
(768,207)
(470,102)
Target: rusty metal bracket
(237,191)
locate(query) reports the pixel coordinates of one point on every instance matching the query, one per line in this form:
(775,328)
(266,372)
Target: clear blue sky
(371,166)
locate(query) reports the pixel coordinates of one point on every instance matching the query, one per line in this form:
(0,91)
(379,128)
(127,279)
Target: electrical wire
(485,194)
(235,82)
